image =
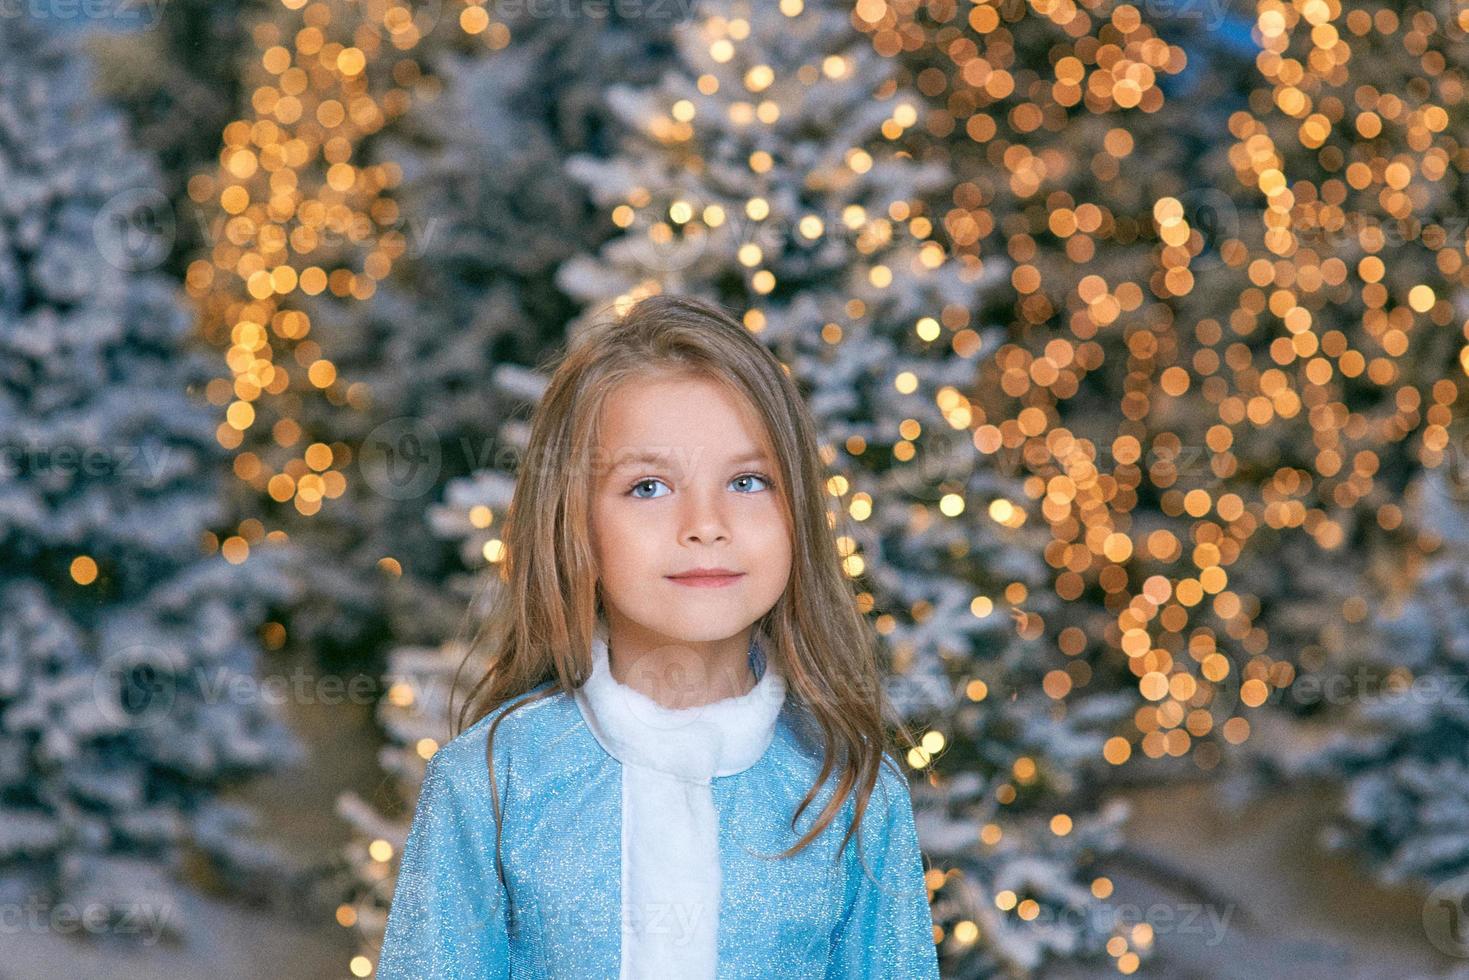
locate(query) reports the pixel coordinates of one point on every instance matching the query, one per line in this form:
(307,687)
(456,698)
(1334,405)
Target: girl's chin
(698,629)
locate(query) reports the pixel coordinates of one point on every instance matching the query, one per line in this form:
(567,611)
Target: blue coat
(559,914)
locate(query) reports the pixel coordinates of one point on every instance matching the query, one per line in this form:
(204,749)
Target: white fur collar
(716,739)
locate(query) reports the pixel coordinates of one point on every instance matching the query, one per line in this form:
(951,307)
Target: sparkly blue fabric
(559,914)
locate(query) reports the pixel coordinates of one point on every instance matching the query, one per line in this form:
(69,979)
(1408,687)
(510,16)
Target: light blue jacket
(559,916)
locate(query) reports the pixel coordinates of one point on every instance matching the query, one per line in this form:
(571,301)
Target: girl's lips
(705,581)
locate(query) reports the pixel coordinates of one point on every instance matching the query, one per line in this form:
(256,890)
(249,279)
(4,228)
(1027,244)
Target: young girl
(683,707)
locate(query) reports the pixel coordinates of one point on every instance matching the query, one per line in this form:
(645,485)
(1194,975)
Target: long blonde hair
(541,622)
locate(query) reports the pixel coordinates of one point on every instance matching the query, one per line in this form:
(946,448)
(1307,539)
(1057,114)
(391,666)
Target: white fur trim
(670,828)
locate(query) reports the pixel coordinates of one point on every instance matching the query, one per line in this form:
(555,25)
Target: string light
(1267,363)
(300,217)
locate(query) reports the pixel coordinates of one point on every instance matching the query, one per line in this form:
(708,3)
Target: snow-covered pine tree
(127,637)
(1344,304)
(1401,753)
(765,174)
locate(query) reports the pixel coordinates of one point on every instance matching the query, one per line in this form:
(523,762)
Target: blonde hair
(541,623)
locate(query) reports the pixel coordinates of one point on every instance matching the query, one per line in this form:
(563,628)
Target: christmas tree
(1072,136)
(1349,156)
(127,627)
(301,208)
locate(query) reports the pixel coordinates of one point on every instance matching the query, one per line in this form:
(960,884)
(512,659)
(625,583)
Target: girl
(682,705)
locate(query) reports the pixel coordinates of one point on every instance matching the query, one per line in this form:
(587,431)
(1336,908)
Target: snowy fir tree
(1402,753)
(1352,168)
(1281,322)
(766,173)
(128,632)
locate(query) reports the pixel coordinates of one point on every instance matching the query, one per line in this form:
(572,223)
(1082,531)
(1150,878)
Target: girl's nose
(704,521)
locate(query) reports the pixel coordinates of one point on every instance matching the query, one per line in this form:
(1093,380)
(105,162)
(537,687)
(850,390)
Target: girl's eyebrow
(638,459)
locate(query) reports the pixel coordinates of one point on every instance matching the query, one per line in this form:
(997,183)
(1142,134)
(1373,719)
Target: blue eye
(754,476)
(633,492)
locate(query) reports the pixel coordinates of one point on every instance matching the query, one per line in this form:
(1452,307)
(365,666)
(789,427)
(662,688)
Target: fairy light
(1307,360)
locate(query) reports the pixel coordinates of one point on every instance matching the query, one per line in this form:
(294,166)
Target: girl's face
(681,484)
